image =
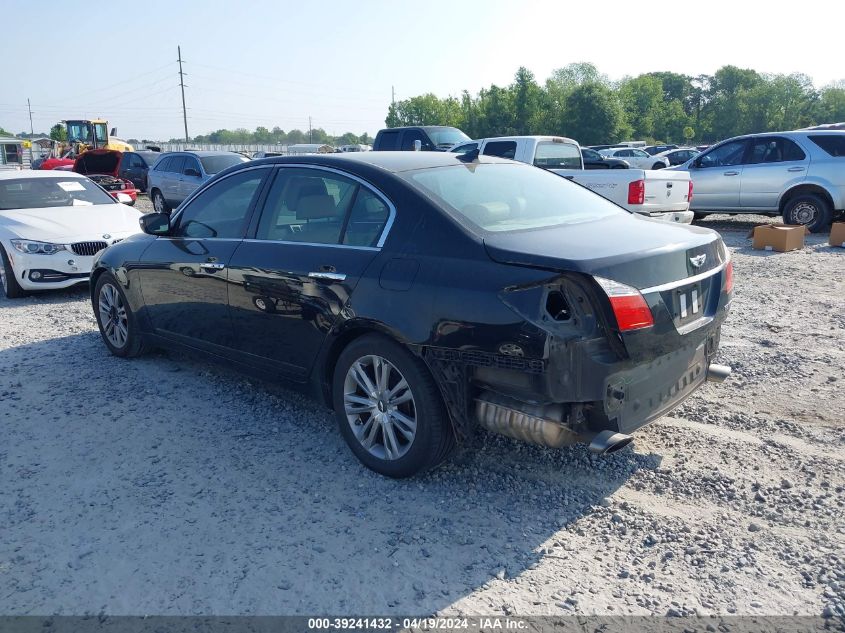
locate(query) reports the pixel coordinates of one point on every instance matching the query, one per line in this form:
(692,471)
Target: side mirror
(417,145)
(155,223)
(190,171)
(123,198)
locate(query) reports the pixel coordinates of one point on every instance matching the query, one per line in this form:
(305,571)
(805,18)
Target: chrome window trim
(687,280)
(253,240)
(391,208)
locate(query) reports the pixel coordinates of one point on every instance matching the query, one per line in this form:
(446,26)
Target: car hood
(98,161)
(69,224)
(627,248)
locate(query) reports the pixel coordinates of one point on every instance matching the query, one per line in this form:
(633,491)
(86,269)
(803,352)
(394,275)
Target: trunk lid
(628,248)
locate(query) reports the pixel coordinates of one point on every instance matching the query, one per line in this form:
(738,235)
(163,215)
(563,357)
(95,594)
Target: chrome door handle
(795,169)
(328,276)
(210,266)
(731,173)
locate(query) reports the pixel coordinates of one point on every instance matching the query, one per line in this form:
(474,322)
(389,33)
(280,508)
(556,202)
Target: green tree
(642,101)
(594,115)
(526,101)
(830,107)
(58,132)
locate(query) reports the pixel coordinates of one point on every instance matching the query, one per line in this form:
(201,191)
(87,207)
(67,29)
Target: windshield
(510,197)
(38,193)
(214,164)
(446,135)
(557,156)
(78,131)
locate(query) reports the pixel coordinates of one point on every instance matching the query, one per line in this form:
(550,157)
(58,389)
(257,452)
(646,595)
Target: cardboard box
(778,237)
(837,234)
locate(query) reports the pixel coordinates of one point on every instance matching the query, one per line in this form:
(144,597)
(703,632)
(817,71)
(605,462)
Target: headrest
(487,212)
(314,207)
(302,186)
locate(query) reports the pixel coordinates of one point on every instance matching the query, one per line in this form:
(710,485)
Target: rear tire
(118,324)
(8,279)
(394,430)
(698,216)
(808,209)
(159,203)
(658,166)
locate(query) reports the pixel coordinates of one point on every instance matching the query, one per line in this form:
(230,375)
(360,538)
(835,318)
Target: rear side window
(557,156)
(163,164)
(773,150)
(503,149)
(388,140)
(833,144)
(366,219)
(175,164)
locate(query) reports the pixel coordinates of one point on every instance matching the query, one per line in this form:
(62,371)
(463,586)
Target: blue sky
(252,63)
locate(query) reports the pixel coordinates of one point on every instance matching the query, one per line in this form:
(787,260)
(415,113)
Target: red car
(102,166)
(52,163)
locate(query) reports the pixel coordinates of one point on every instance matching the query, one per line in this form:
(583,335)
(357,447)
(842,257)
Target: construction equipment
(83,134)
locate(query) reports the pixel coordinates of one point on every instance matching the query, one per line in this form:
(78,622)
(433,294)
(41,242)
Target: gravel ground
(167,485)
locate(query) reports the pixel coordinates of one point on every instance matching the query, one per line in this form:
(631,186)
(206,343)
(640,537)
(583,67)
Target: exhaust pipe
(718,373)
(607,442)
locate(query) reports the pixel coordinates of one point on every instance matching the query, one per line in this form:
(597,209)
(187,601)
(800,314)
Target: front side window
(725,155)
(191,163)
(590,154)
(503,149)
(221,210)
(557,156)
(307,205)
(40,193)
(509,197)
(410,136)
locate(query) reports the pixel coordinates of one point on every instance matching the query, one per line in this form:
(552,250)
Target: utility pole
(392,96)
(310,136)
(182,85)
(29,107)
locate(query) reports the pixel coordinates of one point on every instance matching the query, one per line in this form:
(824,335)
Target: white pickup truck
(659,194)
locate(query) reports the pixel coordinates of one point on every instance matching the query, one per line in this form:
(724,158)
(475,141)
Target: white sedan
(51,226)
(637,158)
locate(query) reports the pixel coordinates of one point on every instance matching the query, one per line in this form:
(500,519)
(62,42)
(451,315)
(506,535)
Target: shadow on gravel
(166,485)
(50,297)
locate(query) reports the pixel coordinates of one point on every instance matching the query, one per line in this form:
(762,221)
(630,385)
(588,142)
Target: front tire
(159,203)
(389,409)
(808,209)
(658,166)
(118,324)
(8,280)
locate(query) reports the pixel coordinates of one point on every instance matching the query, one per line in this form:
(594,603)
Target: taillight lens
(636,192)
(729,277)
(629,306)
(689,193)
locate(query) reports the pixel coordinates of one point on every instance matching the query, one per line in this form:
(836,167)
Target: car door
(170,185)
(643,159)
(190,178)
(184,279)
(716,176)
(773,164)
(317,233)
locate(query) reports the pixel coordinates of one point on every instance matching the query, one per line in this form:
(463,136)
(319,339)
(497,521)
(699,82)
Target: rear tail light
(689,193)
(629,306)
(729,277)
(636,192)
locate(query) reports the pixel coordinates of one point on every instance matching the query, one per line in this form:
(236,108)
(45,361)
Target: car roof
(202,152)
(38,173)
(537,137)
(388,161)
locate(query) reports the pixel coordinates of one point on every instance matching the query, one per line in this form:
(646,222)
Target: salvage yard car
(424,294)
(799,175)
(176,175)
(103,166)
(52,223)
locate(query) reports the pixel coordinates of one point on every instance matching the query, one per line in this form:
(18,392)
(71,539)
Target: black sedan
(135,165)
(422,295)
(594,160)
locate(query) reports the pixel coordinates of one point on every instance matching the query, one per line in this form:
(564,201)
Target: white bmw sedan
(51,226)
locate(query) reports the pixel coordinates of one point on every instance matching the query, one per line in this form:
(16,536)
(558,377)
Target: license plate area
(688,303)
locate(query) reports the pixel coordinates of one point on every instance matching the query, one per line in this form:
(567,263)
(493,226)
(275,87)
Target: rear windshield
(557,156)
(510,197)
(38,193)
(446,136)
(833,144)
(214,164)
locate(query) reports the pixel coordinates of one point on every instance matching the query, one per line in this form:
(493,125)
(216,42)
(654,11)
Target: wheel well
(92,283)
(805,189)
(334,352)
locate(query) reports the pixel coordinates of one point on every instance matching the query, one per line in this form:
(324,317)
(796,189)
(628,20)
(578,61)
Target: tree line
(264,136)
(579,102)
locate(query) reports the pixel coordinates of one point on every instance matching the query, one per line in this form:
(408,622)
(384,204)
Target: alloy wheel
(380,407)
(158,203)
(3,281)
(113,317)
